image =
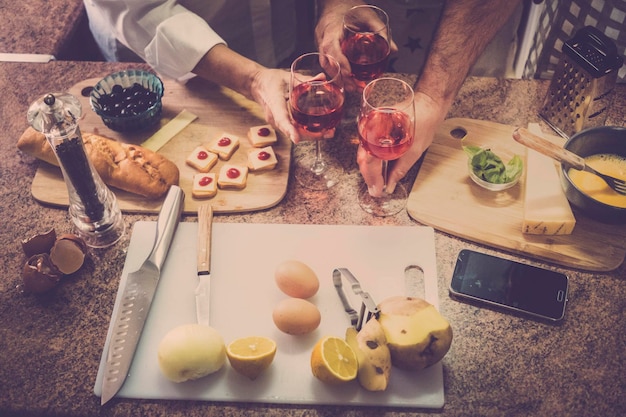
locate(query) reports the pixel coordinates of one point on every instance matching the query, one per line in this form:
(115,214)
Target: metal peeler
(368,306)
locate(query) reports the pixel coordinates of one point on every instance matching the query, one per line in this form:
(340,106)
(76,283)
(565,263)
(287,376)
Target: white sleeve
(165,34)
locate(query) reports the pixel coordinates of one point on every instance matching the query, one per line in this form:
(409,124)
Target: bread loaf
(127,167)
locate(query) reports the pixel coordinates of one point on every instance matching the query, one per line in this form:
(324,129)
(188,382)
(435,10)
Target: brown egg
(68,253)
(296,316)
(40,275)
(296,279)
(39,243)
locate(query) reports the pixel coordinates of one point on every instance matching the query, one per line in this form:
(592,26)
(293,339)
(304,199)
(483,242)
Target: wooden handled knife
(203,290)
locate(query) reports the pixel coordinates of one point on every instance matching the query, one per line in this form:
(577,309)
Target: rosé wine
(368,54)
(386,133)
(316,108)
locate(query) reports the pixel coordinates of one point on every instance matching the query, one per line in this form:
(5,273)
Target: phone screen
(510,284)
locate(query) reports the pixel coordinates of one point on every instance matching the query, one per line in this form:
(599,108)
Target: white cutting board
(243,294)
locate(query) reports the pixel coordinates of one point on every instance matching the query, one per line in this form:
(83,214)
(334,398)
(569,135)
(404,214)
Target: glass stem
(319,166)
(385,165)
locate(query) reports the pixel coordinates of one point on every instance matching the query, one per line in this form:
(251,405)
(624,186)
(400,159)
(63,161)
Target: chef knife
(136,298)
(203,290)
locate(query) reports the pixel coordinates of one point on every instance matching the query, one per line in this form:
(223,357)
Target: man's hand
(329,32)
(452,54)
(429,114)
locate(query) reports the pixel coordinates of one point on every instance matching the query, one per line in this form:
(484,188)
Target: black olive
(127,101)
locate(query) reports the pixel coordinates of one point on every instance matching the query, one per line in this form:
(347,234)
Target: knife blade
(203,290)
(137,296)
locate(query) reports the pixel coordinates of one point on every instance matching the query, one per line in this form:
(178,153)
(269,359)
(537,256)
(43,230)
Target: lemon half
(333,361)
(251,355)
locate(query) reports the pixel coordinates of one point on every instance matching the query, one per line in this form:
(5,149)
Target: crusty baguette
(127,167)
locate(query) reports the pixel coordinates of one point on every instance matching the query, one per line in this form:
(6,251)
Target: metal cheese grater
(582,86)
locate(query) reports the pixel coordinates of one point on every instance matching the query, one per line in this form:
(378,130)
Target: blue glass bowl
(128,100)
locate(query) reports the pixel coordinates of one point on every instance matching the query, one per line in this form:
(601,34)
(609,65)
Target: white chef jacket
(172,36)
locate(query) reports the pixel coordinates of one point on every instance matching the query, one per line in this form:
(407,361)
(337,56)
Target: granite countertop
(37,26)
(499,364)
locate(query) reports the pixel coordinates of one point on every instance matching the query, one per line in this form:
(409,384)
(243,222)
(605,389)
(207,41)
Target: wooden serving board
(219,110)
(444,197)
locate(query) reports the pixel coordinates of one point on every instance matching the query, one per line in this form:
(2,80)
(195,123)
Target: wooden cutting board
(219,110)
(444,197)
(244,257)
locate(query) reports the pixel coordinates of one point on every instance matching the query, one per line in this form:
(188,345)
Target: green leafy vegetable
(489,167)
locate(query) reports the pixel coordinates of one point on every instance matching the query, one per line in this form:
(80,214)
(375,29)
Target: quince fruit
(417,335)
(372,352)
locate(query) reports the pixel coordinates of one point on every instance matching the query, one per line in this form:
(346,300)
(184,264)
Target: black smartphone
(510,285)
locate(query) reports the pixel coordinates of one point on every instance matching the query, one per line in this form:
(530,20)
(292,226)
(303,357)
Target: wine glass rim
(377,80)
(330,59)
(377,9)
(368,6)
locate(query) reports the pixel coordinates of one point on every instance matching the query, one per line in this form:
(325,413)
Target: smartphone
(510,285)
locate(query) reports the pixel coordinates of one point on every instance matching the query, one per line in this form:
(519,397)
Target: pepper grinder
(92,206)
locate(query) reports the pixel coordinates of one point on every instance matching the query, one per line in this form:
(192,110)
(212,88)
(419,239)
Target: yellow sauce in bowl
(594,186)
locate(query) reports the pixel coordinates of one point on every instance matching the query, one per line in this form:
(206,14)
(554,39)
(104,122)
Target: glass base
(386,205)
(316,177)
(101,235)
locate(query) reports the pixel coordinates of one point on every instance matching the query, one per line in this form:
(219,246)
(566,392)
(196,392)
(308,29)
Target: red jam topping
(233,173)
(263,132)
(263,156)
(203,155)
(223,142)
(204,181)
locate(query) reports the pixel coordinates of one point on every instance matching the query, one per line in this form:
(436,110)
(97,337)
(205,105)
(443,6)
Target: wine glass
(365,42)
(386,130)
(316,98)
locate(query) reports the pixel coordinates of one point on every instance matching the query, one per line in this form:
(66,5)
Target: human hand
(329,34)
(428,116)
(270,89)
